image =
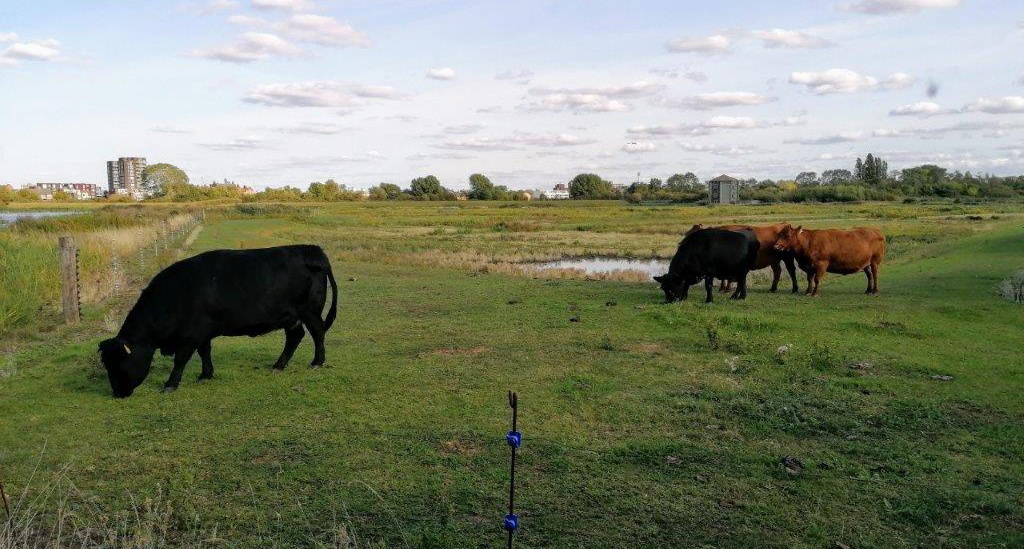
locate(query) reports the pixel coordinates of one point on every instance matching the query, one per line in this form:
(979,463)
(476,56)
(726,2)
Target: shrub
(1013,288)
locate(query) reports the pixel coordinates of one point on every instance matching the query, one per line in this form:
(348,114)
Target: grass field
(645,425)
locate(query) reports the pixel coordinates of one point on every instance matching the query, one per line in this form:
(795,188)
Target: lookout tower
(724,190)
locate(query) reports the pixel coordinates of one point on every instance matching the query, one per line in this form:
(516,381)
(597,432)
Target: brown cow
(834,251)
(767,255)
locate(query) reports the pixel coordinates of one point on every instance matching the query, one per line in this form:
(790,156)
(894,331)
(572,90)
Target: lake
(6,218)
(600,265)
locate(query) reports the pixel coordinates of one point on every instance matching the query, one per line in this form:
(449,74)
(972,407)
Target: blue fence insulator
(514,438)
(511,522)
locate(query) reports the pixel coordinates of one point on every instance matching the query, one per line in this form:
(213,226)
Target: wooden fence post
(69,279)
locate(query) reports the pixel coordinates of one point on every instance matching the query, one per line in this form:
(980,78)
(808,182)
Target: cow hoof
(204,378)
(317,366)
(169,389)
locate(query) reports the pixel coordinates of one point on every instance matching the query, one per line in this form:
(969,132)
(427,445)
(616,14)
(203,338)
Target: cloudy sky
(531,92)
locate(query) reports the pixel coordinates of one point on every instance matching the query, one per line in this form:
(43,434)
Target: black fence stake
(514,438)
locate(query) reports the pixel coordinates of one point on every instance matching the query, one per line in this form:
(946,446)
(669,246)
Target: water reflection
(6,218)
(603,265)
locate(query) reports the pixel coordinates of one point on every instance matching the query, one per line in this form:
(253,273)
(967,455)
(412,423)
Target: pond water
(599,265)
(7,218)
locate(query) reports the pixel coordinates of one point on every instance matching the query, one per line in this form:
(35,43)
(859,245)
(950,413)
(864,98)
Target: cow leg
(810,283)
(709,287)
(776,273)
(292,337)
(316,330)
(741,288)
(181,358)
(874,277)
(867,271)
(791,268)
(204,354)
(819,274)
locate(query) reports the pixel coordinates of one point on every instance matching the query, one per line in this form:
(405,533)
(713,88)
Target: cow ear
(659,278)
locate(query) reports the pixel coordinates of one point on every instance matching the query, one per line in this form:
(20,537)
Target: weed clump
(1012,288)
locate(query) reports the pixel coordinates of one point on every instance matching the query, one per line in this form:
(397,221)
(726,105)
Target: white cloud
(848,81)
(250,47)
(920,108)
(169,129)
(551,140)
(8,36)
(441,73)
(634,147)
(292,5)
(715,44)
(519,76)
(883,7)
(246,20)
(723,150)
(214,6)
(40,50)
(843,137)
(1005,105)
(701,128)
(462,129)
(478,144)
(239,144)
(781,38)
(322,30)
(589,99)
(318,94)
(714,100)
(314,128)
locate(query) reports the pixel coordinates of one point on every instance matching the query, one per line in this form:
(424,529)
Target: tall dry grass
(111,252)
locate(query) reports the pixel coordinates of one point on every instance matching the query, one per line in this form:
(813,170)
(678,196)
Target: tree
(684,182)
(7,195)
(63,196)
(481,188)
(425,186)
(836,177)
(927,175)
(655,184)
(858,169)
(588,186)
(163,179)
(807,178)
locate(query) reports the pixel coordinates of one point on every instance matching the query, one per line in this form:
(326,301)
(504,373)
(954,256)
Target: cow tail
(333,311)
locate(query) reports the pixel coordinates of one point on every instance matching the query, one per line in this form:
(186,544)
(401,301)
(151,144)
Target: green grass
(645,425)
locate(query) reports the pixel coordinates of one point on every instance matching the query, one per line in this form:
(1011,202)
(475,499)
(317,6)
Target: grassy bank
(116,246)
(645,425)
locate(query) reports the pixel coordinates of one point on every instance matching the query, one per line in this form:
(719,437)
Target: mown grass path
(645,425)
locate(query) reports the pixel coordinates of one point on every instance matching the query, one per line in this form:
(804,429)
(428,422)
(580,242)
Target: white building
(81,191)
(124,176)
(560,192)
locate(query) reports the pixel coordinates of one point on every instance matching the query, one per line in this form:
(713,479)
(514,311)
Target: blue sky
(273,92)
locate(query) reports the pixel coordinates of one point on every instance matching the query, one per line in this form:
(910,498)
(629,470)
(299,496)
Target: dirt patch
(456,351)
(645,348)
(461,447)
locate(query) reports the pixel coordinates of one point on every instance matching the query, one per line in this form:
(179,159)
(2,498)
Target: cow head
(673,285)
(788,239)
(127,365)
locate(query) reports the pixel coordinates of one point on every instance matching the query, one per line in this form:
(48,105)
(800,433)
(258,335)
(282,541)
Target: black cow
(710,254)
(222,292)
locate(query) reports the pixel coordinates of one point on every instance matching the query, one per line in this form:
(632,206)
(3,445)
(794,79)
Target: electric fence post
(514,439)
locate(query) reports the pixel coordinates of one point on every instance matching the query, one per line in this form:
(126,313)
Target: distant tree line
(870,179)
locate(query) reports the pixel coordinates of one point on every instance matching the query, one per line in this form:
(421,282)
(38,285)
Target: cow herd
(254,292)
(730,252)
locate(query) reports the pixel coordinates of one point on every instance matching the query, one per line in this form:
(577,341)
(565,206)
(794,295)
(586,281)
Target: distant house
(724,190)
(81,191)
(560,192)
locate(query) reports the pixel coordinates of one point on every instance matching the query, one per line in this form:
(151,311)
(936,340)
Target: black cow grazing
(222,293)
(710,254)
